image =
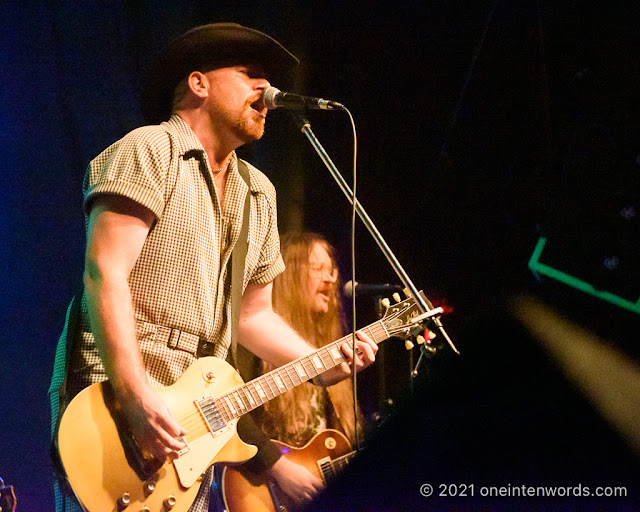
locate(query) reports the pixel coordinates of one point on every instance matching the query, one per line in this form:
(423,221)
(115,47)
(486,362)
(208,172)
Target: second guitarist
(307,296)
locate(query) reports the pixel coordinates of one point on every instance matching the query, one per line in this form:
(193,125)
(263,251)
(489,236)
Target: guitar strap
(238,255)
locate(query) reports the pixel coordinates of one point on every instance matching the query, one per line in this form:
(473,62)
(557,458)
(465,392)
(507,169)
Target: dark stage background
(481,126)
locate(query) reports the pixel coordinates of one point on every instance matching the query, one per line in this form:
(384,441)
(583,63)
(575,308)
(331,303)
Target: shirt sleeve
(135,167)
(268,453)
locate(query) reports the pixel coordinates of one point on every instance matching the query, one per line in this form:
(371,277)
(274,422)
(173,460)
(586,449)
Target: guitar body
(245,491)
(99,468)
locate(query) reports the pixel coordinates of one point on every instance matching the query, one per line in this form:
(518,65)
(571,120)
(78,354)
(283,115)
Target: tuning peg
(408,345)
(396,297)
(385,302)
(431,335)
(420,339)
(407,292)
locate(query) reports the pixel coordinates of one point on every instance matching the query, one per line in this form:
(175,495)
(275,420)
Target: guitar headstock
(401,319)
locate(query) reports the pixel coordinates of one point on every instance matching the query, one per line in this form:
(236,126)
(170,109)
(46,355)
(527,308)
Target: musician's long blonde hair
(283,416)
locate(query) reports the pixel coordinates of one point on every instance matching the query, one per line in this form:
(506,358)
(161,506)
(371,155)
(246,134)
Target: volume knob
(169,502)
(149,487)
(124,500)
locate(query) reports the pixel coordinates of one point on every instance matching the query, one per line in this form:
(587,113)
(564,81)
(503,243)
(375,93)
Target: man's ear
(198,83)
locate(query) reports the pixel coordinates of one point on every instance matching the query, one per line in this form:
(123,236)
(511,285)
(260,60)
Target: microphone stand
(424,305)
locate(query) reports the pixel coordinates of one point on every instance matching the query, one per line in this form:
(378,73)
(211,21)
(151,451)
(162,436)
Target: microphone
(375,289)
(274,98)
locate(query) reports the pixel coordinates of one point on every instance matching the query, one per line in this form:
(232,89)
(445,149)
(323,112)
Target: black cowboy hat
(210,47)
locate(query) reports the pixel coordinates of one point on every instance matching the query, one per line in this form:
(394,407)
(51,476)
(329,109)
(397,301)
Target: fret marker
(233,409)
(239,401)
(301,371)
(317,362)
(250,397)
(260,391)
(279,382)
(336,354)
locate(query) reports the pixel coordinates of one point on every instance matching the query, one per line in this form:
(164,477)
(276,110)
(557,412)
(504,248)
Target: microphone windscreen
(349,287)
(269,97)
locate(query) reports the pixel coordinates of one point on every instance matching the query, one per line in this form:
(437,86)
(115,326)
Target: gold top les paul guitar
(106,470)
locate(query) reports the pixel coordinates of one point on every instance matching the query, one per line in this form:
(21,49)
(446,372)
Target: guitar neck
(339,463)
(253,394)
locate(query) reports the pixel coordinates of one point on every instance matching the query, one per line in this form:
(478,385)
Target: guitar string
(244,405)
(195,419)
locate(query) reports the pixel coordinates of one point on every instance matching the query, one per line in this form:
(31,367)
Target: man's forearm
(113,326)
(117,231)
(269,337)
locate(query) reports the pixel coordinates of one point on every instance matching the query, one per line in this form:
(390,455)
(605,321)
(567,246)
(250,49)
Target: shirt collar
(186,140)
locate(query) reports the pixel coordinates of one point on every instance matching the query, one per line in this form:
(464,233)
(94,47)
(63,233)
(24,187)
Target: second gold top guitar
(106,470)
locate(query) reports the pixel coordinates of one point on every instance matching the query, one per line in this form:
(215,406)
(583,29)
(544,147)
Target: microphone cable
(354,379)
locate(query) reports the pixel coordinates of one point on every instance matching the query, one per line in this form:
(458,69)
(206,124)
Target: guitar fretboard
(330,468)
(253,394)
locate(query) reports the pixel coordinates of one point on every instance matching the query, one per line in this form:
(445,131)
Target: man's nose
(262,83)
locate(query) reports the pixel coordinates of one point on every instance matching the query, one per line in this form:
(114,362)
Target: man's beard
(246,128)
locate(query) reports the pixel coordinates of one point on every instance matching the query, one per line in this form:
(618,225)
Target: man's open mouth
(259,107)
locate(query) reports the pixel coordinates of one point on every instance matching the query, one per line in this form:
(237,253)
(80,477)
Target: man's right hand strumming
(152,425)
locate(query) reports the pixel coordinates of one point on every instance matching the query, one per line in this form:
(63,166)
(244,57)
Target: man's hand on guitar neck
(366,350)
(295,480)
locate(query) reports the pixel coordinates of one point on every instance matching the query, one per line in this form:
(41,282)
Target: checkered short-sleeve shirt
(180,286)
